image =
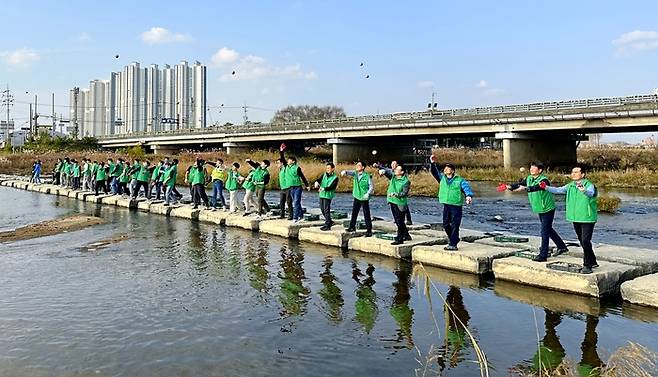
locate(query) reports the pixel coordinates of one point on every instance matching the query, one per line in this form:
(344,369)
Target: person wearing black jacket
(326,186)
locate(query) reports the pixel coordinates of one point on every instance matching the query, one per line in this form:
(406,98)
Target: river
(178,298)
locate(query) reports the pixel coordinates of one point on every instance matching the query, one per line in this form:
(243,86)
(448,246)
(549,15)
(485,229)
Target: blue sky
(471,53)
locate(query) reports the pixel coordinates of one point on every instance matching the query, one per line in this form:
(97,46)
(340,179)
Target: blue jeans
(452,219)
(296,193)
(169,194)
(217,191)
(547,232)
(115,185)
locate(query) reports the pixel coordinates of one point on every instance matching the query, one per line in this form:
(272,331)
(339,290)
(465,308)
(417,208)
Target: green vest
(396,185)
(259,177)
(232,180)
(142,174)
(197,176)
(360,186)
(101,174)
(118,168)
(283,178)
(451,193)
(111,166)
(249,181)
(75,170)
(156,173)
(292,178)
(94,169)
(86,170)
(580,208)
(62,168)
(327,180)
(540,201)
(125,177)
(58,166)
(67,168)
(218,174)
(169,177)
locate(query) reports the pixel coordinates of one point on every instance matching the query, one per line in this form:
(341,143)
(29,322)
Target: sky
(469,53)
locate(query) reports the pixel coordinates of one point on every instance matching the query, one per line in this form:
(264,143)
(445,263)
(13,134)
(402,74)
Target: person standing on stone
(397,197)
(36,172)
(454,191)
(218,176)
(75,174)
(295,178)
(124,179)
(285,199)
(156,180)
(169,180)
(582,211)
(141,175)
(101,178)
(542,203)
(115,172)
(64,172)
(362,188)
(261,178)
(56,172)
(198,179)
(249,188)
(394,164)
(232,184)
(326,186)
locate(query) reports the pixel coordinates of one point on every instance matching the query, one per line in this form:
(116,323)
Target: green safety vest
(67,168)
(135,167)
(580,207)
(75,170)
(62,168)
(94,169)
(143,174)
(156,173)
(218,174)
(540,201)
(118,168)
(396,185)
(361,185)
(196,176)
(259,177)
(85,170)
(327,180)
(451,193)
(111,166)
(169,177)
(58,166)
(249,181)
(292,178)
(101,174)
(232,181)
(125,177)
(283,178)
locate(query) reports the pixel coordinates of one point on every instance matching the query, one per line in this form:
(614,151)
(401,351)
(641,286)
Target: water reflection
(456,322)
(256,260)
(365,306)
(400,310)
(331,293)
(293,294)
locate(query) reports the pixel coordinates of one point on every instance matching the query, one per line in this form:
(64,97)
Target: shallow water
(181,298)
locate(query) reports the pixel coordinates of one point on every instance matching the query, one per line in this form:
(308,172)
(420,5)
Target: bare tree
(307,112)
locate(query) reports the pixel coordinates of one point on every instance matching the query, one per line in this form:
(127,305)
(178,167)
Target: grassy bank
(637,168)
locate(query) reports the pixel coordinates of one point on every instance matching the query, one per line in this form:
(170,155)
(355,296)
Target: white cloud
(224,55)
(636,40)
(159,35)
(425,84)
(84,37)
(252,67)
(482,84)
(21,57)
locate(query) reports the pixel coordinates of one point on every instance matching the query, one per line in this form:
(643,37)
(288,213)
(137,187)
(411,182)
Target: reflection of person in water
(197,250)
(400,310)
(456,324)
(256,260)
(590,357)
(550,352)
(366,298)
(293,295)
(330,292)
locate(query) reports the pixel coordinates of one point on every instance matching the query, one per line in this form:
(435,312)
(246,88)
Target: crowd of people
(159,181)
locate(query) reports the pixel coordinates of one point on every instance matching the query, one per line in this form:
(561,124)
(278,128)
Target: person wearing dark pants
(454,191)
(142,174)
(582,207)
(197,177)
(542,203)
(295,178)
(218,176)
(261,179)
(387,170)
(397,196)
(101,178)
(327,190)
(362,188)
(285,199)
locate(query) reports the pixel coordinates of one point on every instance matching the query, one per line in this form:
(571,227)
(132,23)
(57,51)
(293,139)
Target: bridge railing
(403,116)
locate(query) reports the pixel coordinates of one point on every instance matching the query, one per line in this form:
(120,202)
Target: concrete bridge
(546,131)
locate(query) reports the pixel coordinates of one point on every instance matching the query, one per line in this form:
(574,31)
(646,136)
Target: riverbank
(610,168)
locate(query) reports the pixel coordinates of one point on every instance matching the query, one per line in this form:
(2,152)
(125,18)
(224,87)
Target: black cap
(449,165)
(539,165)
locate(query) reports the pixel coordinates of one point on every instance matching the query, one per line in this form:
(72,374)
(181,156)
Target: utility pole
(36,117)
(54,119)
(245,118)
(76,91)
(8,102)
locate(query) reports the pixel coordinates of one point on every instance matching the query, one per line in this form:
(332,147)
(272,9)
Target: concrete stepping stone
(642,290)
(604,281)
(471,257)
(145,205)
(215,217)
(645,258)
(338,236)
(244,222)
(185,212)
(162,209)
(96,198)
(389,226)
(285,227)
(129,202)
(377,245)
(110,200)
(448,277)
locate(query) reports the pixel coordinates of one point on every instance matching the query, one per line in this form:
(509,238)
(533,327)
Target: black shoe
(368,234)
(246,214)
(325,228)
(407,238)
(560,251)
(450,248)
(195,207)
(351,230)
(586,270)
(396,242)
(331,223)
(595,265)
(539,258)
(409,223)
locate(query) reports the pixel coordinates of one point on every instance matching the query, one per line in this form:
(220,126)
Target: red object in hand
(282,147)
(542,185)
(432,158)
(501,187)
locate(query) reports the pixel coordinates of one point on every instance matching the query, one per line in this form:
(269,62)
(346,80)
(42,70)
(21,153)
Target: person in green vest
(169,180)
(65,170)
(232,184)
(582,206)
(142,175)
(94,169)
(294,178)
(115,173)
(133,174)
(249,188)
(198,177)
(261,179)
(156,180)
(285,199)
(110,169)
(56,172)
(326,187)
(218,176)
(124,178)
(454,191)
(101,178)
(86,174)
(362,188)
(542,203)
(75,175)
(397,197)
(394,164)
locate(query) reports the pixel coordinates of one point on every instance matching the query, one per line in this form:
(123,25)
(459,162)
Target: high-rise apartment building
(142,100)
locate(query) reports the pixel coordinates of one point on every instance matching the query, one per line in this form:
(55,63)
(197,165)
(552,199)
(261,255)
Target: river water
(177,298)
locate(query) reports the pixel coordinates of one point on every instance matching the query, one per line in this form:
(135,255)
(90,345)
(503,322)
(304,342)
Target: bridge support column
(346,150)
(165,149)
(519,149)
(236,148)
